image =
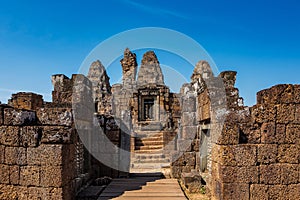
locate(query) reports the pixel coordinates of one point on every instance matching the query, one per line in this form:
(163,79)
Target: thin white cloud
(154,10)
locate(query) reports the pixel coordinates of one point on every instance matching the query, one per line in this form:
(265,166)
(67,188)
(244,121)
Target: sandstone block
(9,135)
(56,135)
(188,104)
(289,174)
(263,113)
(2,149)
(55,116)
(188,119)
(225,155)
(293,192)
(245,155)
(51,176)
(268,135)
(184,145)
(293,134)
(15,156)
(1,115)
(196,145)
(248,174)
(30,136)
(297,93)
(30,176)
(289,153)
(280,133)
(189,132)
(52,154)
(297,114)
(227,174)
(258,192)
(235,191)
(4,174)
(285,113)
(229,135)
(176,171)
(276,95)
(18,117)
(267,154)
(14,174)
(276,192)
(270,174)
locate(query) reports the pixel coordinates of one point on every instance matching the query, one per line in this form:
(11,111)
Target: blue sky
(258,39)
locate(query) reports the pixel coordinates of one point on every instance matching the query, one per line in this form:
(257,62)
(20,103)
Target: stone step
(152,194)
(148,147)
(152,151)
(148,142)
(149,165)
(150,160)
(149,156)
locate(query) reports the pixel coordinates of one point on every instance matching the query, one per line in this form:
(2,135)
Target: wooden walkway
(143,188)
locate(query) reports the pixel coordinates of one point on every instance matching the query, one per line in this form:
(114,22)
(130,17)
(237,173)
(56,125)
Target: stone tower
(150,71)
(101,87)
(129,68)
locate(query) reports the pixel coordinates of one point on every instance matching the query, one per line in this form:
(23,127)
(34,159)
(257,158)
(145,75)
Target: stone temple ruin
(203,136)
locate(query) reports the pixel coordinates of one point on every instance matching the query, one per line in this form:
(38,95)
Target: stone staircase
(148,156)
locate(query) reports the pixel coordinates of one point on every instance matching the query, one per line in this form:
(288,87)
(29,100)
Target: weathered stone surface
(268,135)
(2,149)
(235,191)
(30,136)
(189,132)
(270,174)
(129,67)
(285,113)
(15,156)
(189,104)
(293,191)
(18,117)
(184,145)
(229,135)
(188,119)
(263,113)
(187,158)
(51,176)
(14,174)
(1,115)
(289,174)
(4,174)
(56,134)
(248,174)
(293,134)
(276,95)
(297,114)
(55,116)
(289,153)
(30,176)
(203,70)
(150,71)
(258,192)
(267,154)
(26,100)
(101,87)
(229,78)
(45,155)
(277,192)
(196,145)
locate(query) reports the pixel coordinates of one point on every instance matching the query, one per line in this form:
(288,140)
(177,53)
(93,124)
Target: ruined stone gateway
(203,135)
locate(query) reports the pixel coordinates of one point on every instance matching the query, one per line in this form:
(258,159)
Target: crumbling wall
(257,153)
(37,154)
(41,153)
